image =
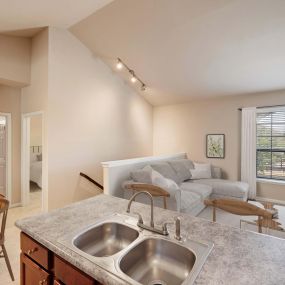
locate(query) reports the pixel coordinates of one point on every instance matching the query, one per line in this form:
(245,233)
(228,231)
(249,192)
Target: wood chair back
(241,208)
(4,206)
(155,191)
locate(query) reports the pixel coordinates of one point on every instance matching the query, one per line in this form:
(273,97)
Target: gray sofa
(190,195)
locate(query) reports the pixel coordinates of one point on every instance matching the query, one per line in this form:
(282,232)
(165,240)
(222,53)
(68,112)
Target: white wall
(93,116)
(184,127)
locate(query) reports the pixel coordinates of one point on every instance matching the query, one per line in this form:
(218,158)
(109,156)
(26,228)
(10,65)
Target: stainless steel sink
(137,256)
(158,262)
(106,239)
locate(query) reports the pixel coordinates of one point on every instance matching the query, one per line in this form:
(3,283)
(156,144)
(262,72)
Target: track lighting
(133,76)
(120,64)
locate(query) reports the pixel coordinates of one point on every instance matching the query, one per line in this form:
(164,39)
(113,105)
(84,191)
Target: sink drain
(157,282)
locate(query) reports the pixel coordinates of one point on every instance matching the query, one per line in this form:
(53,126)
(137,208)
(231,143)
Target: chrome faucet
(151,227)
(140,222)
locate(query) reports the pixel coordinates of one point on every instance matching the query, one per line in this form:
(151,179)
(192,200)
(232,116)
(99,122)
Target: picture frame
(215,146)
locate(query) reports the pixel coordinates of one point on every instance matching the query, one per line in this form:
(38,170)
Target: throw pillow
(142,175)
(166,170)
(216,172)
(167,184)
(201,171)
(181,167)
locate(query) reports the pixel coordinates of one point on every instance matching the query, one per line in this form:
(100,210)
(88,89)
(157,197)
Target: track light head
(119,64)
(133,76)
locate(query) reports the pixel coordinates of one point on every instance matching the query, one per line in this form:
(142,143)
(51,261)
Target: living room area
(159,155)
(240,142)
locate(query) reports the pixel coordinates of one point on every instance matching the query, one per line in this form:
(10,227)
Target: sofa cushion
(204,191)
(227,188)
(167,184)
(201,170)
(142,176)
(189,200)
(182,167)
(166,170)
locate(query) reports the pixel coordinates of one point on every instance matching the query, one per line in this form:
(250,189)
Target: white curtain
(248,149)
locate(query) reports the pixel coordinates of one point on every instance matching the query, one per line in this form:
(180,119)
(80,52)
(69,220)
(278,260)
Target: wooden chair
(4,206)
(241,208)
(155,191)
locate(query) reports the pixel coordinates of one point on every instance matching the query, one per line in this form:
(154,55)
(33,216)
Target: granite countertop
(238,257)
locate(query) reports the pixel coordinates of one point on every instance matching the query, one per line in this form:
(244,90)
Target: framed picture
(215,146)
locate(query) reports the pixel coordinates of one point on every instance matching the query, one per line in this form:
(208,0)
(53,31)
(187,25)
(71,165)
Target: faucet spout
(151,205)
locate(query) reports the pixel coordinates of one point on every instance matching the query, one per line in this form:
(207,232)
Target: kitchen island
(238,257)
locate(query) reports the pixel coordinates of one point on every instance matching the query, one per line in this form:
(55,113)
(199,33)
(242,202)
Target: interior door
(3,155)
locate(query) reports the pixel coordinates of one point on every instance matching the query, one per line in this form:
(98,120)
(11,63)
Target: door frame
(25,160)
(8,117)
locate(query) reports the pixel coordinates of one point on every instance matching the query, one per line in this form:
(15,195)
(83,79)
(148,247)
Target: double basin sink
(138,256)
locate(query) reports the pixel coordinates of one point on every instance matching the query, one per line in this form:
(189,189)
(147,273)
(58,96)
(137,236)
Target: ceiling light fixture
(133,76)
(120,64)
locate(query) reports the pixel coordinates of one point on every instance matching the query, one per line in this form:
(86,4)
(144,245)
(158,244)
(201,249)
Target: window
(270,148)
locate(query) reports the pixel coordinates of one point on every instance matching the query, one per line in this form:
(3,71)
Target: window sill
(270,181)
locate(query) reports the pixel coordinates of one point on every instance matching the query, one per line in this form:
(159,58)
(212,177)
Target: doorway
(5,155)
(32,160)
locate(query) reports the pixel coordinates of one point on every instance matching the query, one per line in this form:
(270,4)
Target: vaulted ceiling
(182,49)
(28,14)
(190,49)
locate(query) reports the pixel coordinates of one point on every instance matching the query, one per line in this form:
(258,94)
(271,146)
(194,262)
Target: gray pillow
(142,176)
(166,170)
(216,172)
(181,167)
(188,163)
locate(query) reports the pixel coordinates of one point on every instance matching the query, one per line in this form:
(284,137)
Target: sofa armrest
(216,172)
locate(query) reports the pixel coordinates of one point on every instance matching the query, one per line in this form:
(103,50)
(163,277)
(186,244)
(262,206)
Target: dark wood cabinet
(40,266)
(70,275)
(33,274)
(36,251)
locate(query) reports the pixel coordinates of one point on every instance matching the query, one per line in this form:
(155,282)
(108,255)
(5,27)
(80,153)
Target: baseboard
(274,201)
(15,205)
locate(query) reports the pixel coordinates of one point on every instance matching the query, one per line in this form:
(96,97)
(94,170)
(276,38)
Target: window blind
(270,148)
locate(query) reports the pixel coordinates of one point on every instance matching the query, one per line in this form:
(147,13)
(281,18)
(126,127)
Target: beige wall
(36,131)
(10,102)
(93,116)
(34,96)
(15,53)
(184,127)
